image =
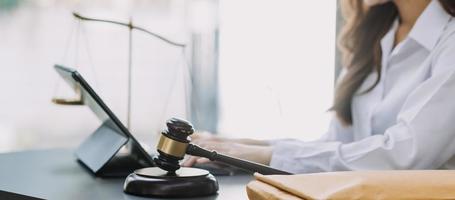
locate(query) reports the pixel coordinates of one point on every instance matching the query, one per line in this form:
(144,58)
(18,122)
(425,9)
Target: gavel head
(172,144)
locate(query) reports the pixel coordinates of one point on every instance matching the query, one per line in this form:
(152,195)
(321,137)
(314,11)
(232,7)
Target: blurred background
(250,68)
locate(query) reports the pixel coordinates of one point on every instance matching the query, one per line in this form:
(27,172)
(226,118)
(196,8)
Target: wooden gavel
(174,143)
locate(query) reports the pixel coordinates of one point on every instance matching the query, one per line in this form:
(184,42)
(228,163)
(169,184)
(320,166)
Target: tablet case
(107,153)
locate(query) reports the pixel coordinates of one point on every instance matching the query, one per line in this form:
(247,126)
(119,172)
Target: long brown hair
(359,43)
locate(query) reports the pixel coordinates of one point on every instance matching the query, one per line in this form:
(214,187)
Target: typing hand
(255,153)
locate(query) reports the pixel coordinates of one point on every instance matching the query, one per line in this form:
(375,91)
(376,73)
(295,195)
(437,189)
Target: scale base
(186,182)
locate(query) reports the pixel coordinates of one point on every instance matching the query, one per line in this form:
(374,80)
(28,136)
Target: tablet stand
(109,153)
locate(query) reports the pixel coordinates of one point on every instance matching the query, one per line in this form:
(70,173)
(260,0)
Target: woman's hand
(255,153)
(206,136)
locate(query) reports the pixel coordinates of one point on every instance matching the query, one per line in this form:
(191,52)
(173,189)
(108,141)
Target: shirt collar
(388,39)
(430,25)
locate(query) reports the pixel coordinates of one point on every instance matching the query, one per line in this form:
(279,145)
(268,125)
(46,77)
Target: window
(276,67)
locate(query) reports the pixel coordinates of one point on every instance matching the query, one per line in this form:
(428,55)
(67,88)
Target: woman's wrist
(259,154)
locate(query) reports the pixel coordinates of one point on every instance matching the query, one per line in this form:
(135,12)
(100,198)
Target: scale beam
(131,26)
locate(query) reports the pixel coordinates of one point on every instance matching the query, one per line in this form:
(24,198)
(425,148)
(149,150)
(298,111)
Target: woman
(395,100)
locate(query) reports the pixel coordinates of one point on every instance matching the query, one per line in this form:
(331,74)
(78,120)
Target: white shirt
(406,122)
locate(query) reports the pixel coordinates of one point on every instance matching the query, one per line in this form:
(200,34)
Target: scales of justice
(164,177)
(78,99)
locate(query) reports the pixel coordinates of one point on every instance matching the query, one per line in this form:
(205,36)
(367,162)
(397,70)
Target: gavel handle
(196,150)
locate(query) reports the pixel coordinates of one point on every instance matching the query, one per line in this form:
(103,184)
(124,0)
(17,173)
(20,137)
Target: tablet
(100,153)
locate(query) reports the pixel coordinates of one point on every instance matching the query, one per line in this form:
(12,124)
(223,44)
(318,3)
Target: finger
(201,135)
(211,145)
(203,143)
(202,160)
(190,161)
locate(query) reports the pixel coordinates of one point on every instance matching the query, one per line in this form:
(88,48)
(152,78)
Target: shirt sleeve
(336,132)
(422,138)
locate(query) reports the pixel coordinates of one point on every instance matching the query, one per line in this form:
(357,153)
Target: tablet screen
(89,97)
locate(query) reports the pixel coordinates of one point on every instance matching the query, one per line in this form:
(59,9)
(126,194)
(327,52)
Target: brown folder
(406,184)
